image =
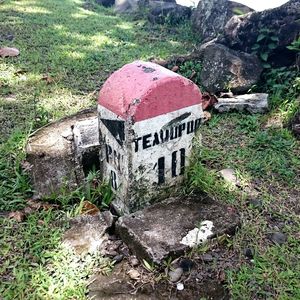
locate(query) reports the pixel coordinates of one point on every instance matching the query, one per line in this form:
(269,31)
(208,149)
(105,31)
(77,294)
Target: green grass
(67,50)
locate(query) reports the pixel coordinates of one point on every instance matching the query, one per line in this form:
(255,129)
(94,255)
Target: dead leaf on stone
(175,68)
(9,52)
(89,208)
(18,215)
(208,100)
(160,62)
(134,274)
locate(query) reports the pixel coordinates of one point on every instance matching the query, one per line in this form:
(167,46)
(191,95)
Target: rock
(278,238)
(241,32)
(253,103)
(9,52)
(134,274)
(162,11)
(295,125)
(118,258)
(224,69)
(180,286)
(175,275)
(130,6)
(117,286)
(133,261)
(186,264)
(229,176)
(249,253)
(158,231)
(207,257)
(106,3)
(87,232)
(56,160)
(211,16)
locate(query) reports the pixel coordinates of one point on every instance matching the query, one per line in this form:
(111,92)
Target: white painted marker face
(199,235)
(141,158)
(162,145)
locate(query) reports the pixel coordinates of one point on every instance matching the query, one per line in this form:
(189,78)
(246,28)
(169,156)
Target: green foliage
(192,70)
(295,46)
(266,42)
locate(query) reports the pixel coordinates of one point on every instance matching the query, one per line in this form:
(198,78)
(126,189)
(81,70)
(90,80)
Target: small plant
(266,42)
(192,70)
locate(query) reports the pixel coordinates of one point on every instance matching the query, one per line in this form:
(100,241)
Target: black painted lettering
(181,129)
(156,139)
(108,152)
(164,135)
(182,161)
(136,144)
(146,141)
(161,170)
(174,163)
(113,179)
(197,124)
(174,133)
(190,127)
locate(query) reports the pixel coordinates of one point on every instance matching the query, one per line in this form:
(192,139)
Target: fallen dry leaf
(6,51)
(48,79)
(208,100)
(18,215)
(175,69)
(89,208)
(206,116)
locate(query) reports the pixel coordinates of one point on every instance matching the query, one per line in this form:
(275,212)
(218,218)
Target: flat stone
(229,175)
(117,286)
(278,238)
(175,275)
(253,103)
(161,230)
(87,232)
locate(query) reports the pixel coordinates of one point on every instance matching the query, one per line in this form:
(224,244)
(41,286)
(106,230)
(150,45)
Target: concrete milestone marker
(148,116)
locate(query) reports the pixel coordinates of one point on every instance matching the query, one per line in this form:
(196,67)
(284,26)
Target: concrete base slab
(56,160)
(174,225)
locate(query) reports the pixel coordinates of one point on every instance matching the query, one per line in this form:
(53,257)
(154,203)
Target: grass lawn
(67,50)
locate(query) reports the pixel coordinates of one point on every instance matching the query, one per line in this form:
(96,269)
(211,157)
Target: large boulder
(106,3)
(226,69)
(162,12)
(277,27)
(130,6)
(211,16)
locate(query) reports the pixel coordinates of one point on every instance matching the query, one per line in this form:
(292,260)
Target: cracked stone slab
(88,232)
(54,159)
(174,225)
(253,103)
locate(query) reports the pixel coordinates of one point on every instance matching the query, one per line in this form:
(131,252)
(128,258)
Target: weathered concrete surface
(253,103)
(148,116)
(226,69)
(160,230)
(52,155)
(87,232)
(86,143)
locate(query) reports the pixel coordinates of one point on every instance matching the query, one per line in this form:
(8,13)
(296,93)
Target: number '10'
(161,165)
